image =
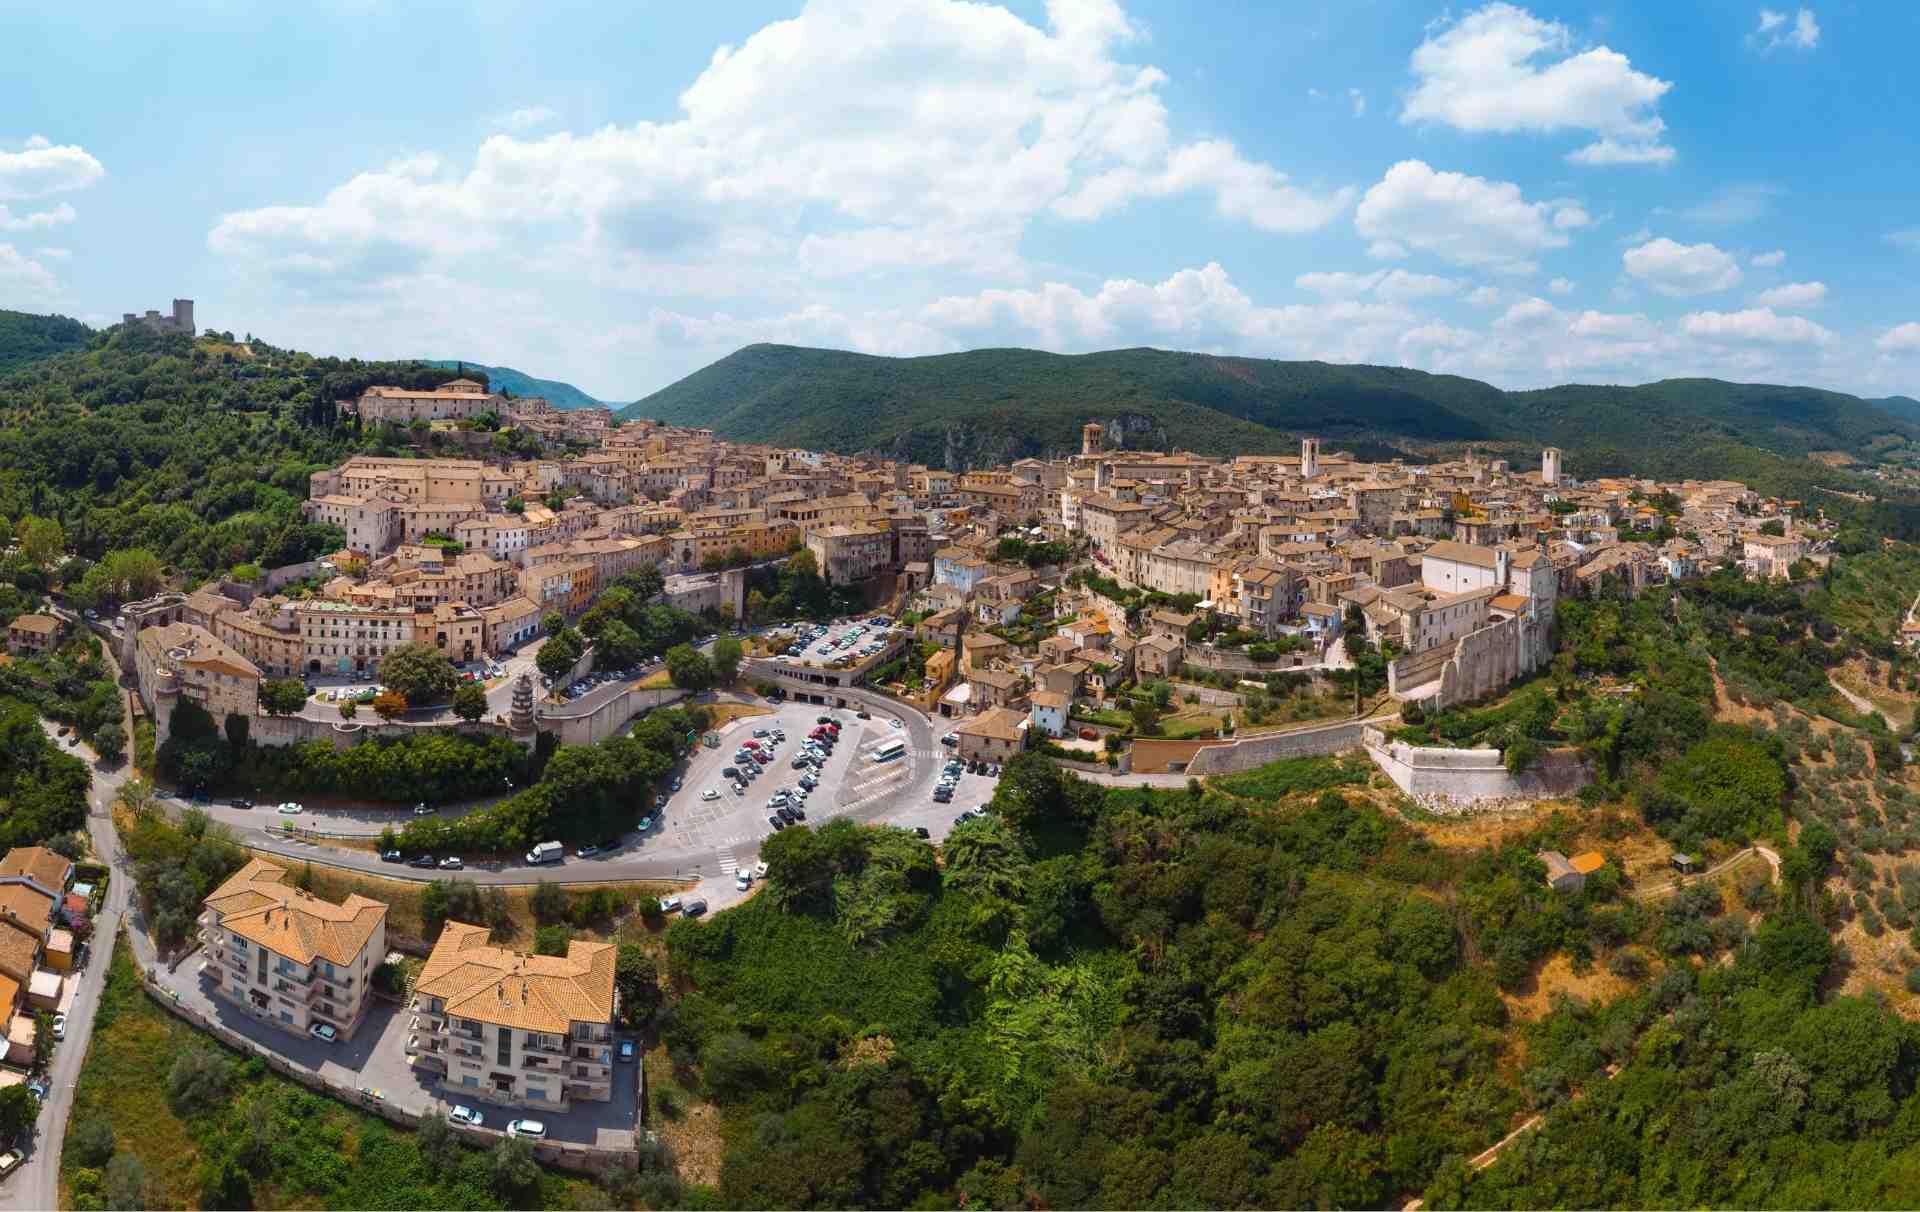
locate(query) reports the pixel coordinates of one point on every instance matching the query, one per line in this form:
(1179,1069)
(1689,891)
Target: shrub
(198,1081)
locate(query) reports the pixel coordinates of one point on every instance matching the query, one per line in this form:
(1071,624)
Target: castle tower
(521,721)
(1092,438)
(1309,458)
(183,316)
(1550,466)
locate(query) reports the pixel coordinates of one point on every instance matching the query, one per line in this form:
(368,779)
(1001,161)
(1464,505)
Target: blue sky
(619,194)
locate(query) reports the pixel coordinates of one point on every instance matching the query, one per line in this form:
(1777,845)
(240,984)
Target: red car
(749,744)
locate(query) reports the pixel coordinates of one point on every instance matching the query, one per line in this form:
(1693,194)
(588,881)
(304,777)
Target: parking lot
(710,812)
(850,639)
(617,678)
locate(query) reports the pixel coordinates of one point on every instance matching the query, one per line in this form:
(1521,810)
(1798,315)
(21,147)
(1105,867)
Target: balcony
(294,975)
(541,1064)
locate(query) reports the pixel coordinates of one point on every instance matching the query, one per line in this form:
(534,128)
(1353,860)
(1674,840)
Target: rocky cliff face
(997,441)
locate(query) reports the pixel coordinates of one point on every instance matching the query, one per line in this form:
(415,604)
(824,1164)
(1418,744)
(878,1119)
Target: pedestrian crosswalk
(728,864)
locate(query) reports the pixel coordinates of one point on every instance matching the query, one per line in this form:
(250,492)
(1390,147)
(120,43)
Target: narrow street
(37,1183)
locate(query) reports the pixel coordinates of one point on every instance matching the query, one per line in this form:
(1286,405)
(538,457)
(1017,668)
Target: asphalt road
(37,1183)
(662,855)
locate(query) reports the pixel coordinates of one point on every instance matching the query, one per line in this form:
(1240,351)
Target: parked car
(586,851)
(695,908)
(920,831)
(709,794)
(9,1162)
(323,1032)
(759,871)
(390,856)
(290,808)
(60,1026)
(729,772)
(626,1052)
(742,880)
(421,860)
(669,904)
(774,820)
(451,863)
(530,1129)
(467,1116)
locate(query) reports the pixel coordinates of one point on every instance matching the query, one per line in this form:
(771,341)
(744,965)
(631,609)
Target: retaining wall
(591,727)
(1259,750)
(344,734)
(1462,777)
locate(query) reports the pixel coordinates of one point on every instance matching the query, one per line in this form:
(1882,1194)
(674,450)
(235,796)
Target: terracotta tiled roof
(546,993)
(258,907)
(47,867)
(18,949)
(27,906)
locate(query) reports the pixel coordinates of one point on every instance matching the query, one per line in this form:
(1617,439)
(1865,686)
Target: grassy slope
(1024,401)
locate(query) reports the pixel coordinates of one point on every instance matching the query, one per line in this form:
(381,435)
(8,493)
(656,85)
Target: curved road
(658,855)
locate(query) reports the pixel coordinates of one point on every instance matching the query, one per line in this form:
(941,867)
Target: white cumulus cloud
(1394,285)
(1466,220)
(1769,260)
(1682,269)
(39,220)
(19,272)
(1756,324)
(857,137)
(1560,286)
(1901,338)
(1502,70)
(1793,295)
(526,119)
(1801,31)
(41,168)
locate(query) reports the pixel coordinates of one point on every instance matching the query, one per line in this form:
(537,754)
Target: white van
(545,852)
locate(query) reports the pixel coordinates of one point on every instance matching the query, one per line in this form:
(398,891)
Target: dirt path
(1492,1153)
(1773,861)
(1860,703)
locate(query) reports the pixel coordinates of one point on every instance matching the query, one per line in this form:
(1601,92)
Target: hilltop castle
(181,321)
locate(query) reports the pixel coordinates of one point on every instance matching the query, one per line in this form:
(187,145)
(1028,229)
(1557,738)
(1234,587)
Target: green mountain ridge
(517,382)
(992,405)
(27,338)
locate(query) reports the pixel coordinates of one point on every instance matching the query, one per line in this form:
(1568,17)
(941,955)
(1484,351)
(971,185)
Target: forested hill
(25,337)
(989,405)
(196,451)
(519,383)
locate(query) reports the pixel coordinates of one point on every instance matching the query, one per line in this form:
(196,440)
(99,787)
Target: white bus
(890,750)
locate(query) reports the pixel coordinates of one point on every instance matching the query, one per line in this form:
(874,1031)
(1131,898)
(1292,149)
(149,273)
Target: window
(503,1051)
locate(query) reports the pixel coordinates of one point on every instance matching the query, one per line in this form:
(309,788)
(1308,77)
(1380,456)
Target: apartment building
(521,1030)
(339,638)
(286,956)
